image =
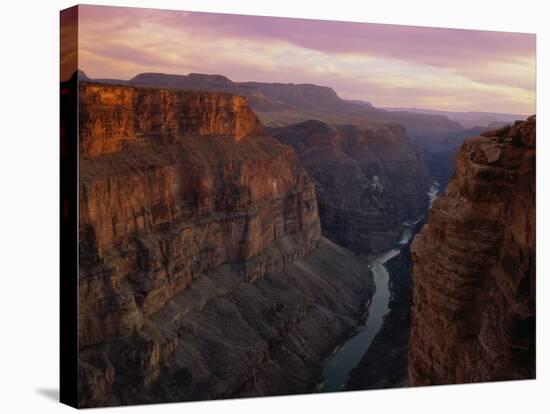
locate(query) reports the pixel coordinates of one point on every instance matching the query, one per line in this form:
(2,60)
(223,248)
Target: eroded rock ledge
(474,267)
(113,116)
(203,273)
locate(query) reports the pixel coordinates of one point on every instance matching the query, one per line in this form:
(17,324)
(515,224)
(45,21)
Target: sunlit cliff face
(389,65)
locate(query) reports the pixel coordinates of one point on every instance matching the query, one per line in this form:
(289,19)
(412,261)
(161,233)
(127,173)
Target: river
(348,356)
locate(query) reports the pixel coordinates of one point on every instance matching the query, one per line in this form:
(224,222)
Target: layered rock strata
(112,116)
(203,273)
(368,180)
(474,266)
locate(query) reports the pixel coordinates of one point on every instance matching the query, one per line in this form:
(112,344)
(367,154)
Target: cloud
(385,64)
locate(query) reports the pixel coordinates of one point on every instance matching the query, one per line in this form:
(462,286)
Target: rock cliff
(368,180)
(474,266)
(111,116)
(203,273)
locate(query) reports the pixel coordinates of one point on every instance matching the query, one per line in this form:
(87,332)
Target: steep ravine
(203,273)
(384,363)
(473,317)
(368,181)
(474,280)
(349,354)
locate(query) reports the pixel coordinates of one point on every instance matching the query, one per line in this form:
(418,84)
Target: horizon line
(388,108)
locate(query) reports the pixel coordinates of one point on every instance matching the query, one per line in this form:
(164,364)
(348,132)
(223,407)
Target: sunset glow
(447,69)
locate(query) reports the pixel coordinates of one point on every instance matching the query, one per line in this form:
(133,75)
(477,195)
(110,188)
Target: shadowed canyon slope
(474,267)
(203,273)
(368,180)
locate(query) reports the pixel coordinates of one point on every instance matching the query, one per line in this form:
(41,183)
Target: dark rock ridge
(474,267)
(203,273)
(368,180)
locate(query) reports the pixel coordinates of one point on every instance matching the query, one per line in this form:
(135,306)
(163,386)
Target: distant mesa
(280,104)
(468,119)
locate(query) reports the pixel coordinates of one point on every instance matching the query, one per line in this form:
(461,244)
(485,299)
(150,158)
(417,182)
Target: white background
(29,206)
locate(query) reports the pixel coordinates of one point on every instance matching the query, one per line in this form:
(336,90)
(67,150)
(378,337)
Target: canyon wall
(112,116)
(368,180)
(203,273)
(474,266)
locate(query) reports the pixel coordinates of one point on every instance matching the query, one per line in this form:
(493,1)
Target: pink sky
(388,65)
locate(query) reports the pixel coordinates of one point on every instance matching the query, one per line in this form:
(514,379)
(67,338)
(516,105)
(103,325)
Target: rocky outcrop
(368,181)
(203,273)
(474,267)
(111,116)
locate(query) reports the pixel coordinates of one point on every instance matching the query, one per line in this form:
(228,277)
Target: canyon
(234,237)
(203,272)
(436,135)
(349,150)
(368,180)
(473,317)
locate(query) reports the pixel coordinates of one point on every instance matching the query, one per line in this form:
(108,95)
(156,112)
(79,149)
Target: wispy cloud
(388,65)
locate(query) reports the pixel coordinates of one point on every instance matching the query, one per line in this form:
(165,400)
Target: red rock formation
(474,267)
(191,240)
(111,116)
(222,202)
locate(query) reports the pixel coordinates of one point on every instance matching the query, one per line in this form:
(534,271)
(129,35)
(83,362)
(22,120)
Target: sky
(387,65)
